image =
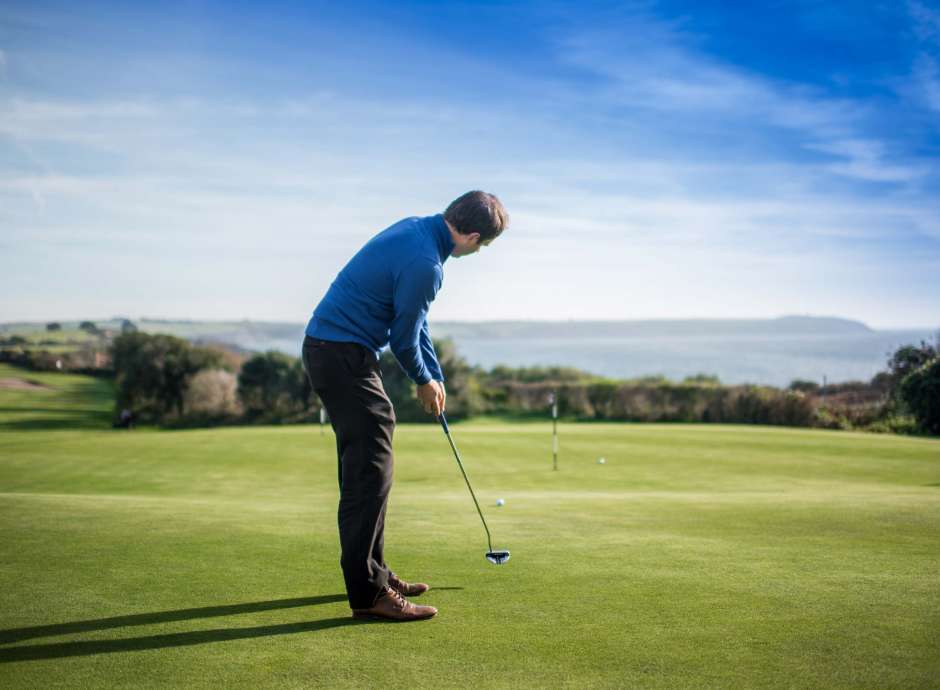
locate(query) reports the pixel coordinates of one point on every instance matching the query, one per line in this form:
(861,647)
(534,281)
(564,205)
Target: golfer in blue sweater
(381,297)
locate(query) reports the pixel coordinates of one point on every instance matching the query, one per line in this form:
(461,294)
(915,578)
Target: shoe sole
(375,617)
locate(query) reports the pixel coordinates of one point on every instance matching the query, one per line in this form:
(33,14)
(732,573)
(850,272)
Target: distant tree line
(69,350)
(170,381)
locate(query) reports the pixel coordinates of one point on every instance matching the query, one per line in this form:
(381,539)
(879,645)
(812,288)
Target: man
(381,298)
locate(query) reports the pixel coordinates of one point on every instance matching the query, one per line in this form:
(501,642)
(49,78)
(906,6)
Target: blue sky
(658,159)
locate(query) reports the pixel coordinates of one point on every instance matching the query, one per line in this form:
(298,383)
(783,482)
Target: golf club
(494,557)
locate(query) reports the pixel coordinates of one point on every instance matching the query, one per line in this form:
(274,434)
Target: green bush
(273,386)
(152,373)
(894,424)
(703,379)
(920,391)
(804,386)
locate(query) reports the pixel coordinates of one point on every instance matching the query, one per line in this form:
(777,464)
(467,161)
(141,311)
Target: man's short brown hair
(477,212)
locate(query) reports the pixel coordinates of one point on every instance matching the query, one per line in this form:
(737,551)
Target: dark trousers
(348,380)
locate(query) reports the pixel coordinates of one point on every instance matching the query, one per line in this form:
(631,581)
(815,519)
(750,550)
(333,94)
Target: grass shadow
(56,423)
(61,411)
(135,644)
(20,634)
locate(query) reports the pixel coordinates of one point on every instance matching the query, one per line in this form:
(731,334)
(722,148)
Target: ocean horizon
(775,360)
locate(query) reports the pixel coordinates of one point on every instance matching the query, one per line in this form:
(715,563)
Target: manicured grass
(696,556)
(58,401)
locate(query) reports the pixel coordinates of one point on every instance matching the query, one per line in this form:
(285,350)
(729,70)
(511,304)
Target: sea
(775,360)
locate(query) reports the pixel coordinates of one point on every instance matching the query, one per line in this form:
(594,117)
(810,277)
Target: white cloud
(648,68)
(864,160)
(925,74)
(926,21)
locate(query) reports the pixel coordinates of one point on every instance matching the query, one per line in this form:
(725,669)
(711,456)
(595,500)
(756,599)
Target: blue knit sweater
(382,296)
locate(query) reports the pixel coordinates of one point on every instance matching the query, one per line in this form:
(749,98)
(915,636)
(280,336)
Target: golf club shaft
(443,420)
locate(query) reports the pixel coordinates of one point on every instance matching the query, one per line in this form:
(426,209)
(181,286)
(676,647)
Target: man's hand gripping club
(432,397)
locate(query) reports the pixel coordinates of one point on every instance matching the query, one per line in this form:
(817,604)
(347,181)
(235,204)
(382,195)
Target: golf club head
(497,557)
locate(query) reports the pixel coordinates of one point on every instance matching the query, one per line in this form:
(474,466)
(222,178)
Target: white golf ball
(500,501)
(601,461)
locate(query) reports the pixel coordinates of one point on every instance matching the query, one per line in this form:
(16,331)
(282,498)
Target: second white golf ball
(500,502)
(601,461)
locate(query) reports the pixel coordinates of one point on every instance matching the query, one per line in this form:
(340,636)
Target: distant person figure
(126,419)
(382,297)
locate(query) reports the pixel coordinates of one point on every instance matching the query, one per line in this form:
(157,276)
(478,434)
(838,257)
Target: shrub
(703,379)
(827,418)
(212,393)
(903,361)
(600,397)
(804,386)
(152,373)
(273,386)
(920,390)
(792,408)
(894,424)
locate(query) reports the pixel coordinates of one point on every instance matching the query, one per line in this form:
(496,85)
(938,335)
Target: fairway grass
(697,556)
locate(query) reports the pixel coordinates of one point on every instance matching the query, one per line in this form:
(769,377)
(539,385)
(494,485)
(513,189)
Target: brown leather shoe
(392,606)
(406,589)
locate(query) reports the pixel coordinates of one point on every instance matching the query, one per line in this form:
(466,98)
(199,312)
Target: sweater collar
(445,244)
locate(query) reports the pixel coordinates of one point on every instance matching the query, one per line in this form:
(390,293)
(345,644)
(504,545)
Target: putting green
(695,556)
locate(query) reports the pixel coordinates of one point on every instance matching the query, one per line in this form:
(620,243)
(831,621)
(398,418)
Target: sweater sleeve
(415,289)
(428,353)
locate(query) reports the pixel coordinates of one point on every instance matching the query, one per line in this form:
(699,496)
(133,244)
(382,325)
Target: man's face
(466,245)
